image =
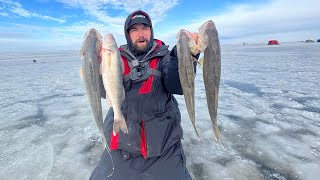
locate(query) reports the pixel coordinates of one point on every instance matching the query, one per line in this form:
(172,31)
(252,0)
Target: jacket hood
(127,26)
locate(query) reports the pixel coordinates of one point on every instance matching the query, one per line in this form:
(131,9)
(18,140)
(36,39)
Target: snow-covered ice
(269,117)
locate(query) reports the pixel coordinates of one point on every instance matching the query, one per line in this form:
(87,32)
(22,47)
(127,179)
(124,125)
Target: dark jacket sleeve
(171,72)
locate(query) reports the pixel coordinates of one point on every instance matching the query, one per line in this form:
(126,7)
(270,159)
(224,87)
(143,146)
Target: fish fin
(116,128)
(194,126)
(200,62)
(102,63)
(216,133)
(81,74)
(100,69)
(104,141)
(194,59)
(123,95)
(108,100)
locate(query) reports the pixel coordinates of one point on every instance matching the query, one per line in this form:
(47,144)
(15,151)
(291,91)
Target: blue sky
(61,24)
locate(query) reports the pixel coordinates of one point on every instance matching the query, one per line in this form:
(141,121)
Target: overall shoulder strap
(142,71)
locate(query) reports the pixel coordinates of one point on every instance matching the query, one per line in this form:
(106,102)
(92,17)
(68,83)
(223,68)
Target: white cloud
(68,36)
(17,9)
(4,14)
(155,7)
(21,12)
(100,8)
(286,20)
(277,16)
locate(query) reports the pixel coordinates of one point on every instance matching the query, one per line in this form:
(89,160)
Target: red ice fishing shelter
(273,42)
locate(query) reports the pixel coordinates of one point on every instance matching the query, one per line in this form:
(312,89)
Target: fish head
(110,53)
(91,45)
(109,45)
(204,36)
(188,36)
(110,42)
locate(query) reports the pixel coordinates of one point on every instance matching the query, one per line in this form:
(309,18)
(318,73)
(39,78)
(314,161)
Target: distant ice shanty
(273,42)
(309,41)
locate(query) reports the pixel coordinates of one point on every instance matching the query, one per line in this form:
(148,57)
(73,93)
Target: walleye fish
(185,46)
(209,43)
(112,75)
(91,47)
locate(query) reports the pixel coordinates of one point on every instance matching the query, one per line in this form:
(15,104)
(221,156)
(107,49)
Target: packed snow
(269,116)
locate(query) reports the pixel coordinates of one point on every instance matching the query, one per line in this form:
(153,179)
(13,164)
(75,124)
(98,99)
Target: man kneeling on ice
(152,147)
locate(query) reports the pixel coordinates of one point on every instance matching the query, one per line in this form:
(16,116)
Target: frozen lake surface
(269,117)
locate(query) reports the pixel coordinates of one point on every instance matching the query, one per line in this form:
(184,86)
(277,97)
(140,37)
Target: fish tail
(216,133)
(119,124)
(194,126)
(104,141)
(116,127)
(123,126)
